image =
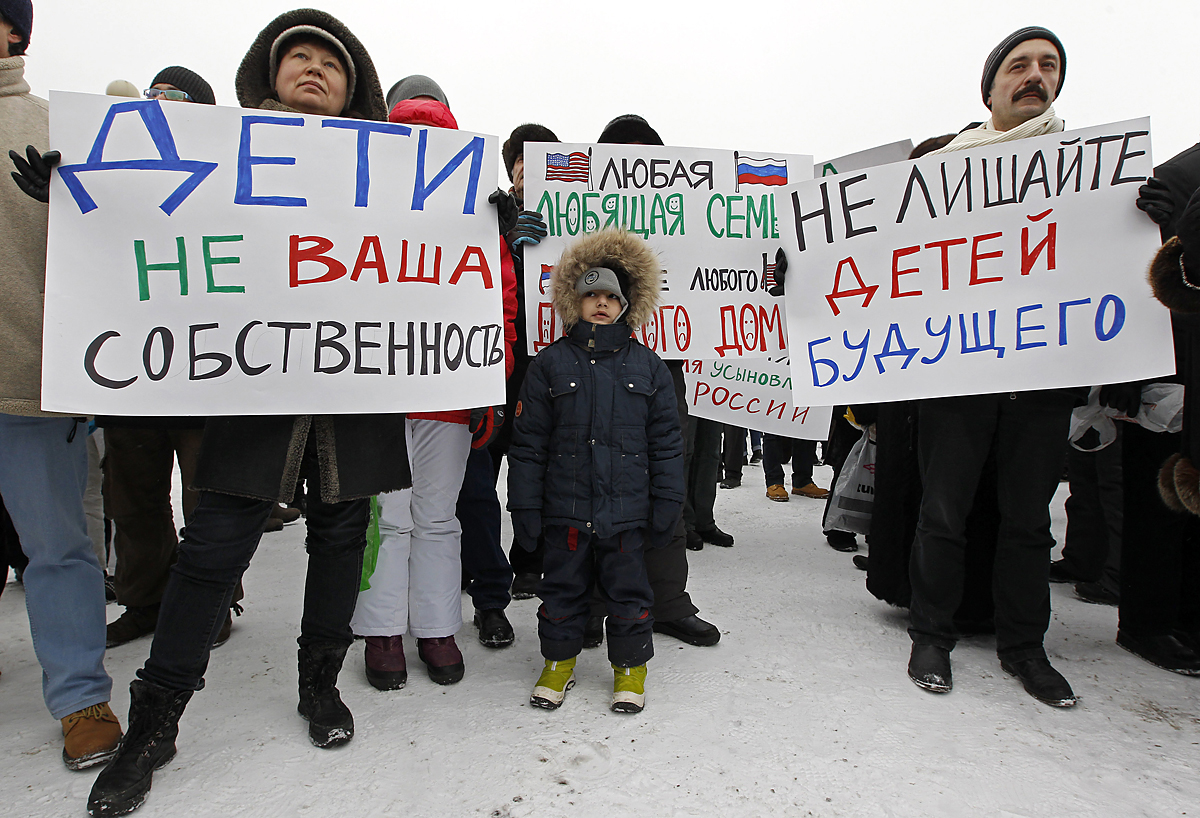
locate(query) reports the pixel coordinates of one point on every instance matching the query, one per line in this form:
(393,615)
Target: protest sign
(710,216)
(881,155)
(1019,265)
(215,261)
(753,393)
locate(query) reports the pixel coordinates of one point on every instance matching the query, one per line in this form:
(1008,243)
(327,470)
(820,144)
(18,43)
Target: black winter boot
(149,744)
(329,721)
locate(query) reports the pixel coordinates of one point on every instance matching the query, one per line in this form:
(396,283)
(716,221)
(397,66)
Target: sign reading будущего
(1019,265)
(215,261)
(709,214)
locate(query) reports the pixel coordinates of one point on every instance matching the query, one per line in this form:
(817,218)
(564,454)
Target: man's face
(312,80)
(1025,85)
(518,177)
(8,37)
(600,307)
(166,86)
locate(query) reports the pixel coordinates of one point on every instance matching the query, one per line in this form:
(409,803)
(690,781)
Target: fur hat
(19,14)
(619,251)
(416,85)
(627,129)
(186,80)
(514,146)
(255,79)
(992,64)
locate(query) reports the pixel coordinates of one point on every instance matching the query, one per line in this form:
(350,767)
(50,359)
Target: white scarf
(985,134)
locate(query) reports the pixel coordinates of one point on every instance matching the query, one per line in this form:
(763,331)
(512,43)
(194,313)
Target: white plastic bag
(1162,411)
(854,495)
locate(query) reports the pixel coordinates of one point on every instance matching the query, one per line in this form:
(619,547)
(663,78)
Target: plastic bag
(854,494)
(1162,411)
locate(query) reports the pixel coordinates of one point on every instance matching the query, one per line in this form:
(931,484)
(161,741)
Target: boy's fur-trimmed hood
(612,247)
(1166,279)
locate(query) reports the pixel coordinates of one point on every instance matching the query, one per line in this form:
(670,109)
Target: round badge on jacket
(517,413)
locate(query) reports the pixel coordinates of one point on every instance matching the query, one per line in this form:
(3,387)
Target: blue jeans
(478,512)
(43,474)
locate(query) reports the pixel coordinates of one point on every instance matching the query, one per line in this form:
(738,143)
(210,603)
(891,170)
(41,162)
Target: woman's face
(312,79)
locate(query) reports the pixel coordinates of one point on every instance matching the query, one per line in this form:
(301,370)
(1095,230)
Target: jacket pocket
(632,473)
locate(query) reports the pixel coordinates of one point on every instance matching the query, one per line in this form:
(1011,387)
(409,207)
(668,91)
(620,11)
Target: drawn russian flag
(751,171)
(547,270)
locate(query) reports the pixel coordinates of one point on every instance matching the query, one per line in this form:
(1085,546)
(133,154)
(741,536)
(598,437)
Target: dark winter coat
(260,456)
(596,442)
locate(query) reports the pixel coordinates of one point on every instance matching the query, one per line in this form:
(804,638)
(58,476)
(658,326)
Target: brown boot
(284,514)
(90,736)
(133,624)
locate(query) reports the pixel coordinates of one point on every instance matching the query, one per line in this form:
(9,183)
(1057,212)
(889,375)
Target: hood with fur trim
(1167,279)
(612,248)
(253,81)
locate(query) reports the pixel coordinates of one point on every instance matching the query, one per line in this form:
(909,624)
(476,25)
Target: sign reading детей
(216,261)
(1018,265)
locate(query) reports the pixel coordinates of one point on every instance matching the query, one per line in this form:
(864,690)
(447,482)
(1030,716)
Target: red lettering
(976,257)
(802,414)
(722,400)
(1048,244)
(838,292)
(896,272)
(376,263)
(945,245)
(334,269)
(751,403)
(699,394)
(771,408)
(736,408)
(480,267)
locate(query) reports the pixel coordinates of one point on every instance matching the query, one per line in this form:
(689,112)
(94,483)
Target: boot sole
(89,760)
(683,636)
(1148,660)
(387,680)
(447,674)
(628,702)
(495,641)
(325,739)
(141,791)
(547,703)
(932,687)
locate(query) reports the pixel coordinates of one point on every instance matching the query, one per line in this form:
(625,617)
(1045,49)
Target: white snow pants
(417,584)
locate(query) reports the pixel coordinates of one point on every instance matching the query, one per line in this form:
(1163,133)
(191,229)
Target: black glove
(657,539)
(485,423)
(33,176)
(530,229)
(527,527)
(1124,397)
(1154,199)
(780,273)
(506,210)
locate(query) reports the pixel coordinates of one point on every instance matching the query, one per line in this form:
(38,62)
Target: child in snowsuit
(597,461)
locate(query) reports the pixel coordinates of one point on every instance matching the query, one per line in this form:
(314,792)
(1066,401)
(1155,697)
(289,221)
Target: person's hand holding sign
(33,176)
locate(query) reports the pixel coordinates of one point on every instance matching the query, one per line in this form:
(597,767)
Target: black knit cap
(514,146)
(19,14)
(992,64)
(186,80)
(627,129)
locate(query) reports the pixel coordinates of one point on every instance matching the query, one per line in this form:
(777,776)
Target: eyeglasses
(160,93)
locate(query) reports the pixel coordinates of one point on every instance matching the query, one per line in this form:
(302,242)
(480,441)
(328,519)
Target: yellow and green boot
(629,689)
(552,686)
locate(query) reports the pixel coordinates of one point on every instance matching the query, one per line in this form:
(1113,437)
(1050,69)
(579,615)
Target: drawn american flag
(563,167)
(768,276)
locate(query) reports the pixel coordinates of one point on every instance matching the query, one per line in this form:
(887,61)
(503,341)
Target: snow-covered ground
(804,708)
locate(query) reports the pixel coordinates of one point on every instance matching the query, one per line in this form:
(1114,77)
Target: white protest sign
(1019,265)
(216,261)
(881,155)
(753,393)
(710,216)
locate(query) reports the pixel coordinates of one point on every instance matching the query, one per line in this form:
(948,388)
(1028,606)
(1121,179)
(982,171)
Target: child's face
(600,307)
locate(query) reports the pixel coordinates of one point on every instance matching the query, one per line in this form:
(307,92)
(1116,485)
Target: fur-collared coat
(596,442)
(260,456)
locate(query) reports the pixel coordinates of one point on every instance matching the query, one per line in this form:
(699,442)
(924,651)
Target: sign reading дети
(709,214)
(1018,265)
(214,261)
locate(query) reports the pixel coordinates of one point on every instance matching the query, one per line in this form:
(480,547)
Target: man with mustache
(1027,432)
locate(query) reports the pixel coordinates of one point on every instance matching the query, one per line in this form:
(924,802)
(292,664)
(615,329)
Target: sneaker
(133,624)
(1166,651)
(629,689)
(1096,594)
(691,629)
(593,632)
(442,659)
(811,490)
(90,736)
(494,628)
(929,668)
(525,586)
(552,686)
(778,493)
(694,541)
(756,457)
(1041,681)
(730,482)
(384,659)
(716,536)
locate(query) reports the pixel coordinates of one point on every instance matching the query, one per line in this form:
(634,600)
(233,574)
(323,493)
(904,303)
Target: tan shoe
(778,493)
(90,736)
(811,490)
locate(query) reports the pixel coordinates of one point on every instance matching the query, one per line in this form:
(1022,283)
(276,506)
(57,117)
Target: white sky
(825,78)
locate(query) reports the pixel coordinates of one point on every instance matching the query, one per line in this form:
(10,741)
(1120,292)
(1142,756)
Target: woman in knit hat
(309,62)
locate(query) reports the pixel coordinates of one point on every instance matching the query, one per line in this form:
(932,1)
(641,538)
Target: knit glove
(33,176)
(781,266)
(506,210)
(530,229)
(527,527)
(1124,397)
(1154,199)
(485,422)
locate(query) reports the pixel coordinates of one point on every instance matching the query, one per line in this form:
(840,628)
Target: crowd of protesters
(611,482)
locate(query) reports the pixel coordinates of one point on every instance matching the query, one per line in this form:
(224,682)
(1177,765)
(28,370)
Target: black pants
(702,466)
(1092,546)
(576,563)
(478,512)
(1028,432)
(220,540)
(733,451)
(779,450)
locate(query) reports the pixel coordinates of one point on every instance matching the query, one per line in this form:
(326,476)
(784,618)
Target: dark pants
(779,450)
(576,563)
(478,512)
(733,454)
(1028,432)
(702,465)
(1160,553)
(220,539)
(137,497)
(1092,546)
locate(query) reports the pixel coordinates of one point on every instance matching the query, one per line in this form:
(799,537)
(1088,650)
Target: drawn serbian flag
(567,167)
(751,171)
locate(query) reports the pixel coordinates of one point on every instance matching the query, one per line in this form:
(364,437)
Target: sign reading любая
(1014,266)
(710,215)
(216,261)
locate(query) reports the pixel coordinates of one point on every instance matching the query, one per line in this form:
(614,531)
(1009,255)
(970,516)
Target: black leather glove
(485,423)
(527,527)
(33,176)
(506,210)
(1154,199)
(530,229)
(1124,397)
(780,273)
